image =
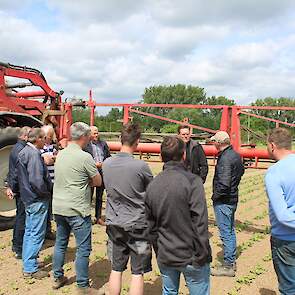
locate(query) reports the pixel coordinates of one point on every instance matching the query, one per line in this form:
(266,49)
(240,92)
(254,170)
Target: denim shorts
(124,244)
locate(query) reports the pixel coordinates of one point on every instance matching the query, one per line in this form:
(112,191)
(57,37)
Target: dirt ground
(255,274)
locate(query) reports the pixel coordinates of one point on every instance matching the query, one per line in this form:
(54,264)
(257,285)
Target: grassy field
(255,274)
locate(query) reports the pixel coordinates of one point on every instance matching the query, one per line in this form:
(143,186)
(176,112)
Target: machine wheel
(8,137)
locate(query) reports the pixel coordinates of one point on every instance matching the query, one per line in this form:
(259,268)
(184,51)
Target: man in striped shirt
(49,154)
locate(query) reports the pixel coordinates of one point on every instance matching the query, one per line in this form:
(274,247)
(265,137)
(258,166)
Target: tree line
(253,129)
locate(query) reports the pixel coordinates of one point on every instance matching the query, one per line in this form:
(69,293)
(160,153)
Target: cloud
(193,12)
(88,11)
(243,50)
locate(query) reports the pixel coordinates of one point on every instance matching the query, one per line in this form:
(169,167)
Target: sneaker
(59,282)
(39,275)
(50,236)
(223,271)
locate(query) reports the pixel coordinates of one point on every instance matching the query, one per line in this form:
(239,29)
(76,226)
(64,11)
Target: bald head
(94,133)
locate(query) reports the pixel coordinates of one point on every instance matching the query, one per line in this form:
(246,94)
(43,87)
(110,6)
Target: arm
(151,221)
(96,180)
(199,216)
(202,163)
(147,174)
(277,201)
(107,151)
(91,170)
(224,172)
(38,176)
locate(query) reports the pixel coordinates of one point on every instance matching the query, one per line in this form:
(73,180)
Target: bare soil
(255,273)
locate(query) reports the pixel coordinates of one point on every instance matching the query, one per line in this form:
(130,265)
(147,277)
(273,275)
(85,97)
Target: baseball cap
(221,137)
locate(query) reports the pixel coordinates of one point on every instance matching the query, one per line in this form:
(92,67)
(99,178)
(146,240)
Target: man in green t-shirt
(75,173)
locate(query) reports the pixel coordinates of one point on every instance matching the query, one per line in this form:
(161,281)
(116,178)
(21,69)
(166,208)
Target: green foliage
(261,127)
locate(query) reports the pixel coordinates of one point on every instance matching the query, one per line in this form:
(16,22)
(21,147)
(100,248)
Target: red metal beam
(155,105)
(210,150)
(268,119)
(30,93)
(271,108)
(33,77)
(172,121)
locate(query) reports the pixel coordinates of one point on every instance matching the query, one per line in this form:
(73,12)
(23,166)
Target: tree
(172,94)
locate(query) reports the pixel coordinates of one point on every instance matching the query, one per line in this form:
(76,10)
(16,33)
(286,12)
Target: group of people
(167,213)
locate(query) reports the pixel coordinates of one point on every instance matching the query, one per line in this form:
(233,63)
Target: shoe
(41,264)
(59,282)
(18,256)
(50,236)
(39,275)
(218,264)
(100,221)
(86,291)
(223,271)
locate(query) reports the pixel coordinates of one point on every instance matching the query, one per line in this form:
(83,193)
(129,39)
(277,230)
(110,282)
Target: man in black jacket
(12,181)
(228,173)
(99,151)
(195,160)
(178,222)
(35,188)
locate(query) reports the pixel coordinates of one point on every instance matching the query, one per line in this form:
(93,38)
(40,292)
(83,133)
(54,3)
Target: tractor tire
(8,137)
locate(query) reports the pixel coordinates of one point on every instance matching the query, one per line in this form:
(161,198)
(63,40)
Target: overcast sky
(242,49)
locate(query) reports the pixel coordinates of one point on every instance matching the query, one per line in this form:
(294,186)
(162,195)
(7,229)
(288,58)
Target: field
(255,274)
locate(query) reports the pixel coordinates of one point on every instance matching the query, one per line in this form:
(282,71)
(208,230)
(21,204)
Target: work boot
(223,271)
(59,282)
(218,264)
(18,256)
(86,291)
(39,275)
(41,264)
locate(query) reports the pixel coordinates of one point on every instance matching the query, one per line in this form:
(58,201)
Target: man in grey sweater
(126,180)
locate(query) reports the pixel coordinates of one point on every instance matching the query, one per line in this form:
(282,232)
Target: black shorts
(133,243)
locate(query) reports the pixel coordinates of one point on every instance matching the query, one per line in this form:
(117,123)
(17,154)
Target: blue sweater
(280,188)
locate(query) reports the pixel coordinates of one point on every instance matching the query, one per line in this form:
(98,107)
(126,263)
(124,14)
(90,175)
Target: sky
(244,50)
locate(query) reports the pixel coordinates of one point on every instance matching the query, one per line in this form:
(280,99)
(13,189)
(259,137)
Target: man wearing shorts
(126,180)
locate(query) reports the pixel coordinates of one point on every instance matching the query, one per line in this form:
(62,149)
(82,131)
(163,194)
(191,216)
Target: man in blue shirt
(35,190)
(12,181)
(280,187)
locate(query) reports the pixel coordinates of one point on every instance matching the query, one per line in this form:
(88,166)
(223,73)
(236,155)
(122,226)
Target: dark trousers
(98,201)
(19,226)
(49,217)
(283,256)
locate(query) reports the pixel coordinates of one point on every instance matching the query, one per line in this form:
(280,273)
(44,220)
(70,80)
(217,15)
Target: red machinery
(35,107)
(230,122)
(31,108)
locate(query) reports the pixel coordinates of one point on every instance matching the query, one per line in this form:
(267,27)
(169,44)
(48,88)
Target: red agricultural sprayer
(27,100)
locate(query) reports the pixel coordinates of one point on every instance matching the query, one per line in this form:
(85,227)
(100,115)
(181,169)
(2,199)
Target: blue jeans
(36,216)
(19,226)
(283,256)
(196,278)
(81,228)
(225,219)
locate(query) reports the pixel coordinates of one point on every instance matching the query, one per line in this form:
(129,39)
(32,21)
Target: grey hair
(34,134)
(47,129)
(24,132)
(79,129)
